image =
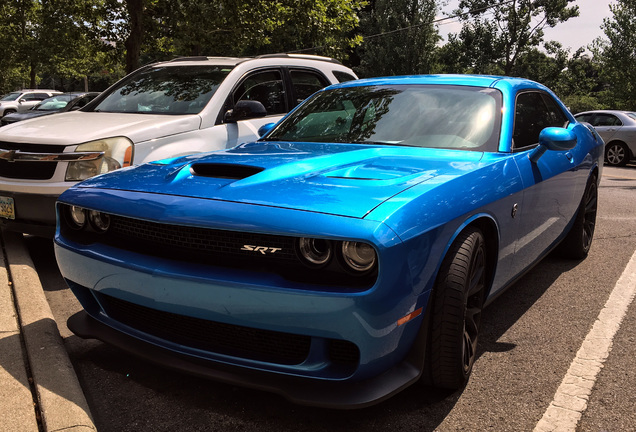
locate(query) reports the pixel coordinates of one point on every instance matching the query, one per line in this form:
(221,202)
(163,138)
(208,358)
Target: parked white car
(163,110)
(22,100)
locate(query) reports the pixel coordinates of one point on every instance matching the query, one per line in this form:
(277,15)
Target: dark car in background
(55,104)
(618,130)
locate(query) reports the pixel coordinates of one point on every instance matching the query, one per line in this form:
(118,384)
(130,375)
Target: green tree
(70,46)
(497,34)
(19,30)
(159,29)
(580,85)
(399,38)
(546,66)
(617,55)
(48,37)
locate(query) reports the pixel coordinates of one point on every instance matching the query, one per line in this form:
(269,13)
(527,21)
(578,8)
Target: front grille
(29,170)
(245,251)
(199,244)
(221,338)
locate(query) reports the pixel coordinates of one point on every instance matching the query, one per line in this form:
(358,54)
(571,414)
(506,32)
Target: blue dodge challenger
(349,252)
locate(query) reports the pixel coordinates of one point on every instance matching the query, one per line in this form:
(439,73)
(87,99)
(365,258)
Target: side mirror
(264,130)
(245,109)
(554,139)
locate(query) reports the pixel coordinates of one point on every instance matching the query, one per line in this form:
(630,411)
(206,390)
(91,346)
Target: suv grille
(29,170)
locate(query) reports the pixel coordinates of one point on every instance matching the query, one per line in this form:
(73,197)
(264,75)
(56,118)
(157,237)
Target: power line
(437,21)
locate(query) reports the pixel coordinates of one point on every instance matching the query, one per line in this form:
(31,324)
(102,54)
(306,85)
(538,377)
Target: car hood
(28,115)
(343,179)
(77,127)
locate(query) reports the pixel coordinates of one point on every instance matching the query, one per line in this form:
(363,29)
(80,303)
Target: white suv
(22,100)
(169,109)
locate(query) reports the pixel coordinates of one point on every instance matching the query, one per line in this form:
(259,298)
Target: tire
(458,299)
(617,154)
(577,242)
(9,111)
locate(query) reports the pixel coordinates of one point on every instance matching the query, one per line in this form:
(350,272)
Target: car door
(304,83)
(278,89)
(607,125)
(265,86)
(29,100)
(549,197)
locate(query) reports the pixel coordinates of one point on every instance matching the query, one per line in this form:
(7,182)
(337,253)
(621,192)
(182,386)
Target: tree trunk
(32,76)
(133,42)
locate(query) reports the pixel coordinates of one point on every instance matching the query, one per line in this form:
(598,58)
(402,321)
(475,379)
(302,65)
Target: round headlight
(315,251)
(358,256)
(99,220)
(77,216)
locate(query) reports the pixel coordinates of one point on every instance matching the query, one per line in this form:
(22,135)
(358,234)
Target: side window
(306,83)
(606,120)
(35,97)
(557,118)
(584,117)
(83,101)
(343,76)
(532,116)
(265,87)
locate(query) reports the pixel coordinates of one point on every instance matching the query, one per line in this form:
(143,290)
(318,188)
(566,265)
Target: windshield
(165,90)
(54,103)
(432,116)
(10,97)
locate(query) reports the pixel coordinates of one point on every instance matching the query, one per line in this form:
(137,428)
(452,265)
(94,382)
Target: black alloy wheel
(577,243)
(458,300)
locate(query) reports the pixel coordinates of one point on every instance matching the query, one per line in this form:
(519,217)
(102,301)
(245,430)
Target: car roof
(36,91)
(604,112)
(446,79)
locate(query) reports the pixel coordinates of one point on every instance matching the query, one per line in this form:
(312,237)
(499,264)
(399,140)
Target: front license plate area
(7,208)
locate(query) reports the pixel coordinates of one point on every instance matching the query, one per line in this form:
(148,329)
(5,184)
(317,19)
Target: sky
(574,33)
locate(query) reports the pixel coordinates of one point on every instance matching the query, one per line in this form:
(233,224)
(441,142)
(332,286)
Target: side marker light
(409,317)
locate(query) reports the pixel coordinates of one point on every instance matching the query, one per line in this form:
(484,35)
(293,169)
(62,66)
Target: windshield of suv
(54,103)
(10,97)
(165,90)
(433,116)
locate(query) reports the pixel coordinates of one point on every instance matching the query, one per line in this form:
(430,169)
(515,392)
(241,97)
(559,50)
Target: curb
(60,398)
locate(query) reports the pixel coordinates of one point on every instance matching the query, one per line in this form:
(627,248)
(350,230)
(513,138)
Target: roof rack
(192,58)
(299,56)
(264,56)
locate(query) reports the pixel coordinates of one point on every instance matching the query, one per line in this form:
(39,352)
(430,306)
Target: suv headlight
(118,153)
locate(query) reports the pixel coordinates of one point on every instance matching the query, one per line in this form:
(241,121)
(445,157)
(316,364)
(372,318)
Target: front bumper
(303,391)
(34,214)
(123,291)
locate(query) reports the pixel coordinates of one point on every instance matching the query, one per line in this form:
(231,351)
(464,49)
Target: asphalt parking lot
(531,337)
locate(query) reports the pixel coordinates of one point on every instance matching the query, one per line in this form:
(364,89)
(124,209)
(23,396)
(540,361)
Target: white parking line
(570,400)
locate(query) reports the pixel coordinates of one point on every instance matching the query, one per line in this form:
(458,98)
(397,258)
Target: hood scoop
(224,171)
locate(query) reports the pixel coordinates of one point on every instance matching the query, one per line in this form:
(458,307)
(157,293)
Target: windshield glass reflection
(456,117)
(165,90)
